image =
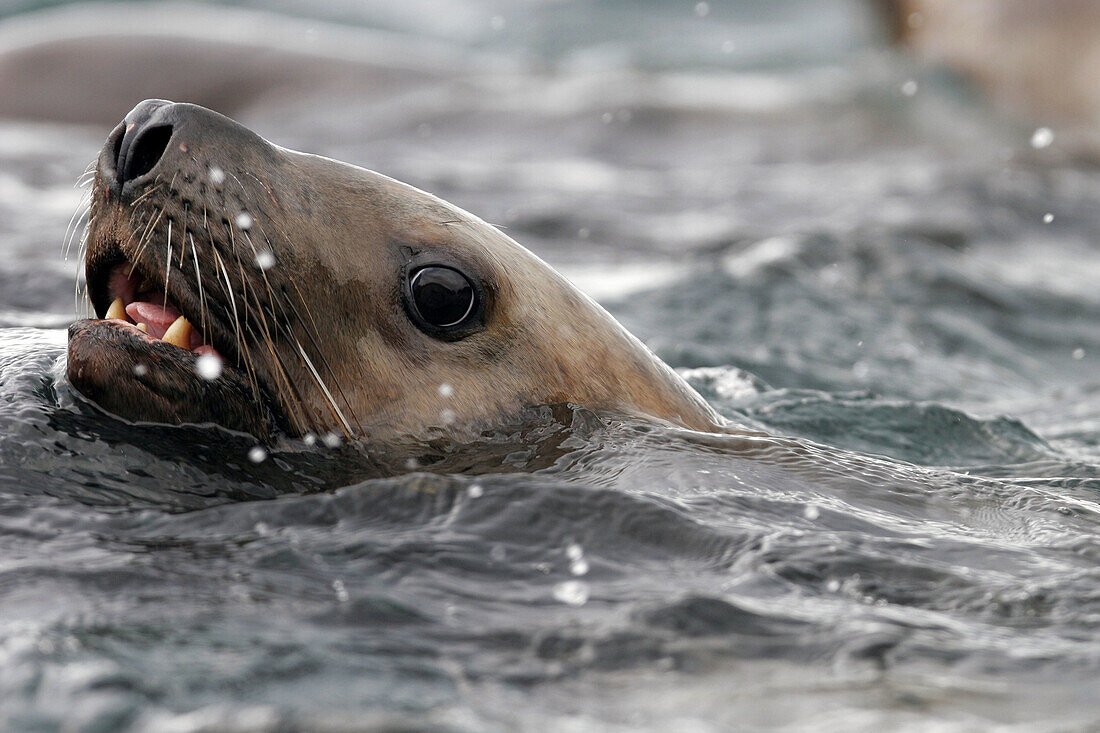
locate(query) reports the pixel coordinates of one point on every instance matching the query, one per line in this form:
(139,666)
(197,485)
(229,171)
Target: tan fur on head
(543,342)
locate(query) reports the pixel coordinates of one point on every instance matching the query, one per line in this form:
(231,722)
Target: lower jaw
(143,379)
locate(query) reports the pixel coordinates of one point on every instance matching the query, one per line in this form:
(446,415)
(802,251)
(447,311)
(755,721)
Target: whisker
(84,207)
(328,395)
(87,176)
(259,309)
(232,299)
(285,385)
(198,281)
(145,238)
(243,352)
(76,293)
(183,245)
(331,403)
(316,346)
(81,293)
(147,194)
(168,259)
(168,262)
(325,392)
(74,224)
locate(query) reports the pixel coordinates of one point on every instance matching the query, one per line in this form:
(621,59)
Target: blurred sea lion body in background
(82,64)
(1039,61)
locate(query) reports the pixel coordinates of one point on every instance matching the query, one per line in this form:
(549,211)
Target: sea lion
(1036,61)
(85,63)
(340,299)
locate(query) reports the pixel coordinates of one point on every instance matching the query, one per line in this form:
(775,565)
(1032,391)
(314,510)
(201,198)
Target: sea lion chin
(329,298)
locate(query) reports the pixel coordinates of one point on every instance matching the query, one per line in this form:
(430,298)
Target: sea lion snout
(156,137)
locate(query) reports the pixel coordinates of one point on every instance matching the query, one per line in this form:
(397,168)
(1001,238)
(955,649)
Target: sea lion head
(337,299)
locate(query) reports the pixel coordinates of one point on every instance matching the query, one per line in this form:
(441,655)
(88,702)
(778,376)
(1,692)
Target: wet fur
(324,330)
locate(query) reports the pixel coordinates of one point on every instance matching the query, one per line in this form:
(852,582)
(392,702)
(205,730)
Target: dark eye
(442,297)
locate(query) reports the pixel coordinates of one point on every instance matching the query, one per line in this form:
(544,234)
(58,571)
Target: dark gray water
(864,272)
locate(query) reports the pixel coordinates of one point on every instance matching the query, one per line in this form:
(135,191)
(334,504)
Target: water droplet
(572,592)
(332,440)
(833,585)
(257,454)
(574,551)
(728,46)
(341,590)
(446,390)
(811,512)
(209,366)
(140,370)
(217,175)
(412,464)
(447,416)
(702,9)
(309,439)
(579,566)
(497,553)
(909,87)
(1042,138)
(244,221)
(607,118)
(1048,218)
(475,491)
(265,259)
(584,233)
(1078,354)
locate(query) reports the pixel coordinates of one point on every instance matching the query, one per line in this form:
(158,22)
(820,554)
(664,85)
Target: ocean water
(836,246)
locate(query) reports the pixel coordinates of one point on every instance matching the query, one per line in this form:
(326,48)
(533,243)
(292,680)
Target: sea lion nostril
(142,152)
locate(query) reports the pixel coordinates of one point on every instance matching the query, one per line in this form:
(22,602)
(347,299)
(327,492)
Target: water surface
(836,247)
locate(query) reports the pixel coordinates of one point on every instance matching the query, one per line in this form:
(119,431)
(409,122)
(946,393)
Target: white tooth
(117,310)
(143,328)
(179,333)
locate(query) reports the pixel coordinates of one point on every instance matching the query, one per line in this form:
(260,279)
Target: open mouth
(156,354)
(145,303)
